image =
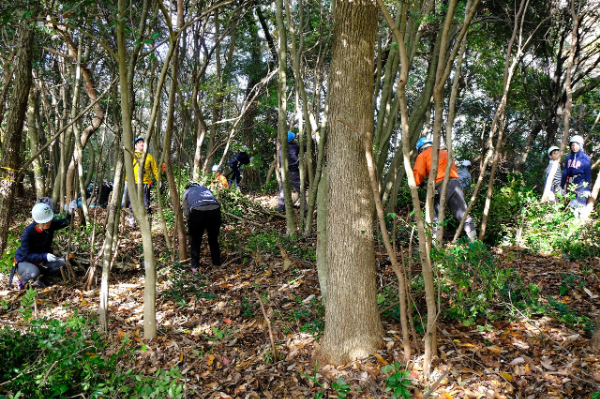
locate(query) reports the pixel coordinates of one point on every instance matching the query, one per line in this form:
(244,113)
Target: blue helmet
(423,143)
(291,136)
(137,139)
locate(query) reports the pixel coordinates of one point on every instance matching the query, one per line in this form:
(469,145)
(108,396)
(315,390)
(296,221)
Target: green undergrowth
(52,358)
(476,289)
(519,219)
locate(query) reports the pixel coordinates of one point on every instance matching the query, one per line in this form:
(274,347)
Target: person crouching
(34,259)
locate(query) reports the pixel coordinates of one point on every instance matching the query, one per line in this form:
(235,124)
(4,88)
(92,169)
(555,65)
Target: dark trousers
(295,182)
(236,175)
(146,195)
(455,201)
(198,222)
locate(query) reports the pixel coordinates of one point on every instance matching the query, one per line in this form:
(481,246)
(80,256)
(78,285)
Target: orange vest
(423,166)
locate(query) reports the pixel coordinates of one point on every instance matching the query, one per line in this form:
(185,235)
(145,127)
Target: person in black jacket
(34,258)
(203,212)
(239,160)
(293,169)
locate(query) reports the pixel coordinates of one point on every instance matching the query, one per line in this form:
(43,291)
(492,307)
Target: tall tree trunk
(352,324)
(137,205)
(173,189)
(111,235)
(282,121)
(9,163)
(430,341)
(34,144)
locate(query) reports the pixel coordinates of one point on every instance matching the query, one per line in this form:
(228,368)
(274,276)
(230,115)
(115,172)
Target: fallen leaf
(506,376)
(381,360)
(516,361)
(548,365)
(587,291)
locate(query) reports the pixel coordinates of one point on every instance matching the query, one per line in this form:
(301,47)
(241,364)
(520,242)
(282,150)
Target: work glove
(54,258)
(72,206)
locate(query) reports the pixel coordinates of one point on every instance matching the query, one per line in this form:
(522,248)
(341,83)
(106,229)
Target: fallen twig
(262,307)
(435,385)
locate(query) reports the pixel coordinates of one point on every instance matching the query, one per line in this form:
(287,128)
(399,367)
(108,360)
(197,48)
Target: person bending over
(455,198)
(203,212)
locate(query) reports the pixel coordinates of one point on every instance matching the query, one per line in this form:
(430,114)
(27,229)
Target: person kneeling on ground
(203,212)
(34,260)
(455,198)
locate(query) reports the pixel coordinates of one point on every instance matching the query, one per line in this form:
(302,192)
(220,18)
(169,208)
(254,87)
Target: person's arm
(154,167)
(185,205)
(25,254)
(419,170)
(563,180)
(587,170)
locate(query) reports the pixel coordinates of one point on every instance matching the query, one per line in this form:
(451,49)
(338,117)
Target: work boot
(472,235)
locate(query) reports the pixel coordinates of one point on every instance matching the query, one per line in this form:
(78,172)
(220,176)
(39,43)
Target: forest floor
(212,326)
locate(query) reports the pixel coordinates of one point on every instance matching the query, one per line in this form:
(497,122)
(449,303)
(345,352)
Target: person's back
(423,166)
(203,212)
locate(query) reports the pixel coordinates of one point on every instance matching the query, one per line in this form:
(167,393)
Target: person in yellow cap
(150,168)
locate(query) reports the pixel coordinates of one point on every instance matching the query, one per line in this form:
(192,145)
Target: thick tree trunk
(9,163)
(352,324)
(322,235)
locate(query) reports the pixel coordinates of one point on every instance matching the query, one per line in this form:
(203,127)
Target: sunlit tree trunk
(352,324)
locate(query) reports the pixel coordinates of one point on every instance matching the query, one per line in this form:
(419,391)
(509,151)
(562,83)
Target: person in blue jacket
(203,213)
(293,169)
(34,258)
(577,174)
(239,160)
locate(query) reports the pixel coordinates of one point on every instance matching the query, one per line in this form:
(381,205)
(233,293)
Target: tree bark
(9,163)
(352,325)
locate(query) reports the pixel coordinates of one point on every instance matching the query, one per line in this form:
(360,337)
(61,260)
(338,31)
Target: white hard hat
(42,213)
(576,139)
(216,168)
(466,163)
(553,148)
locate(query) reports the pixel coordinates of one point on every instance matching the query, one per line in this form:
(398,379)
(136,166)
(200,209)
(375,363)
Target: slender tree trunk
(173,188)
(430,342)
(282,121)
(352,325)
(11,157)
(34,144)
(114,212)
(139,210)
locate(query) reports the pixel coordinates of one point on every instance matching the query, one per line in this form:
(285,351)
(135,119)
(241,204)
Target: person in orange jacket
(220,181)
(455,198)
